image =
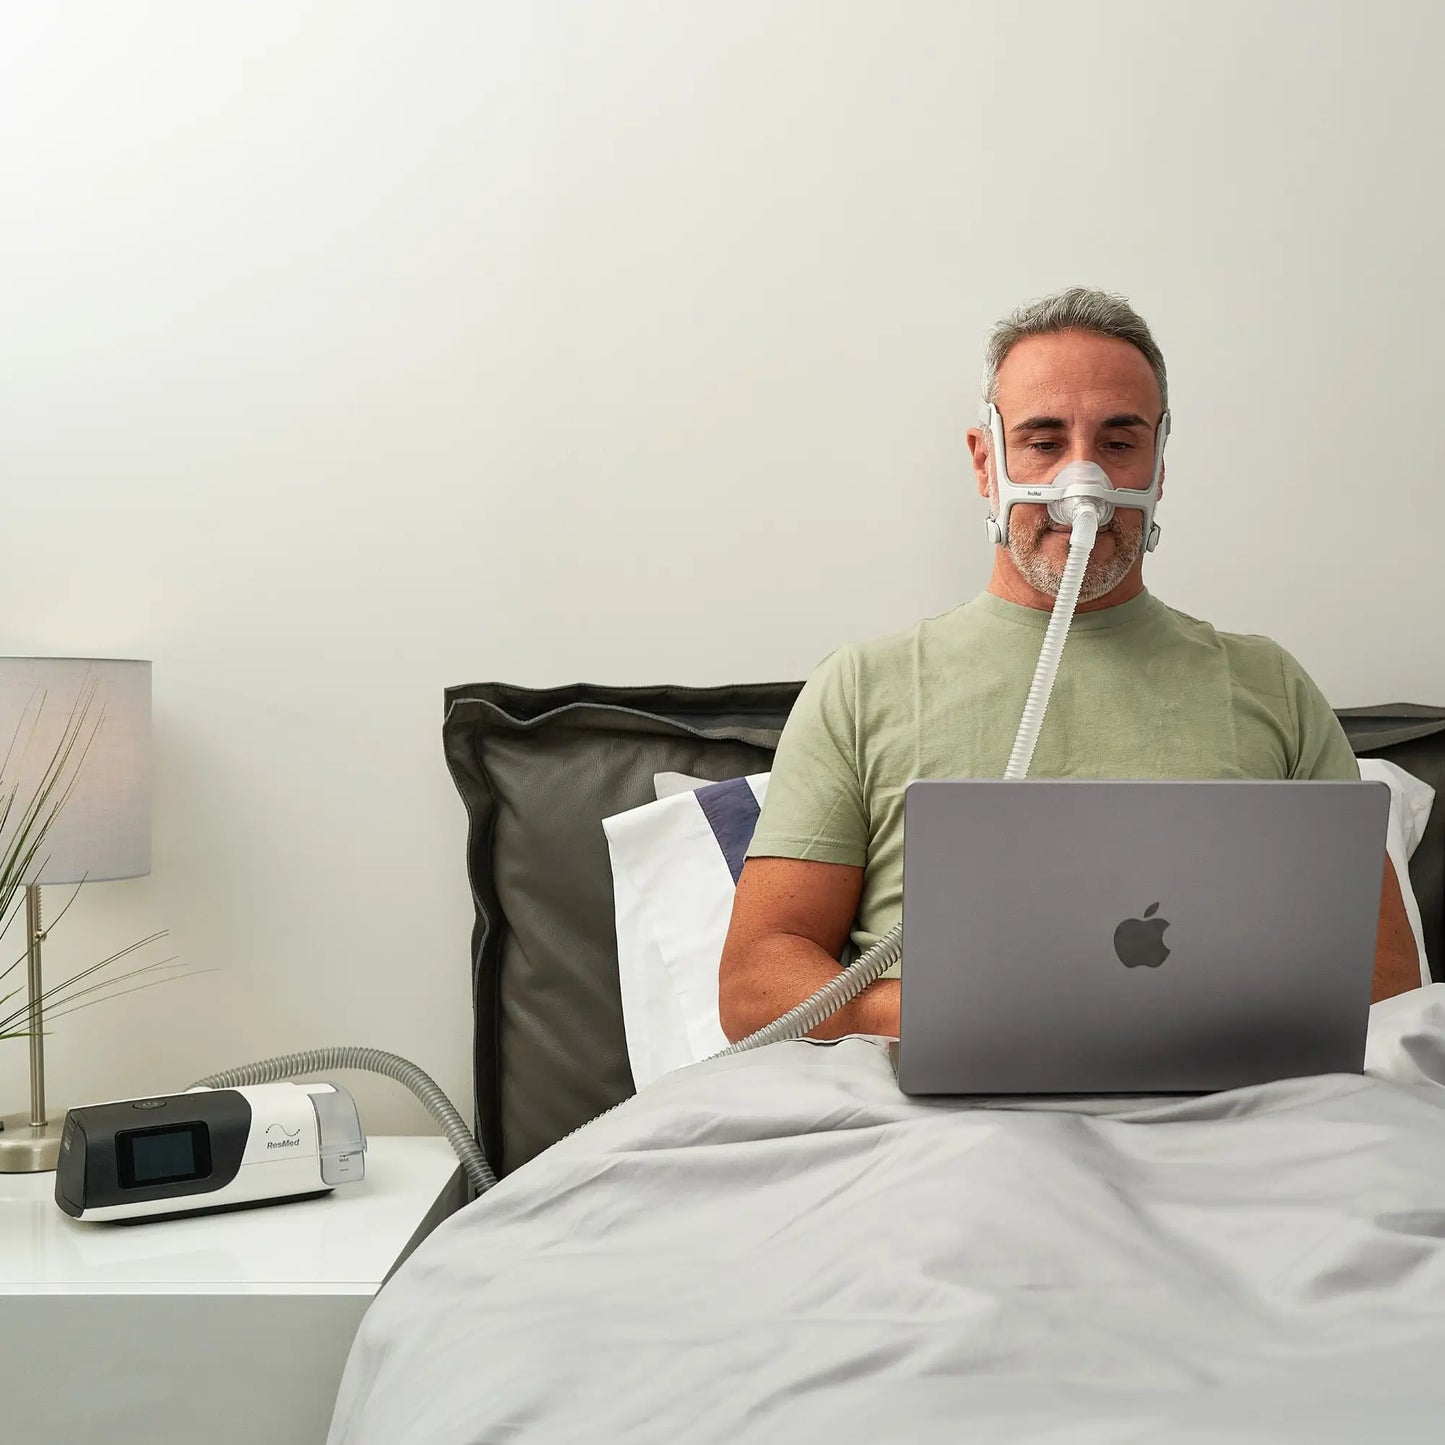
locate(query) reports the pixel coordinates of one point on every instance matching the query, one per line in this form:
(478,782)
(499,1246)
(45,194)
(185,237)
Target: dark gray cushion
(538,771)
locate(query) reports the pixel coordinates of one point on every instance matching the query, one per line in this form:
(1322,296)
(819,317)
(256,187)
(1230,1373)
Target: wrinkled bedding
(781,1246)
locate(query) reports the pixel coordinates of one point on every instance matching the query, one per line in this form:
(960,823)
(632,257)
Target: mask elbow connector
(1084,526)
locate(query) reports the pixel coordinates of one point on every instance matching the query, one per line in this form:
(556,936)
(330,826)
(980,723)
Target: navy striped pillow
(731,810)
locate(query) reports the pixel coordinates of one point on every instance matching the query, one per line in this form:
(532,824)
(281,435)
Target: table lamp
(102,831)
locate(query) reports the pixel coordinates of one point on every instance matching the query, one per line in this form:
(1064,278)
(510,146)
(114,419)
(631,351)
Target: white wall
(351,350)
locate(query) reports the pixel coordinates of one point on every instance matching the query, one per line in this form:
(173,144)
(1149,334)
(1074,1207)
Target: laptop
(1080,937)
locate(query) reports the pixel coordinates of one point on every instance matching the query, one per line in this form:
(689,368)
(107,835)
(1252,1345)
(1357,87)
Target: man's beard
(1101,576)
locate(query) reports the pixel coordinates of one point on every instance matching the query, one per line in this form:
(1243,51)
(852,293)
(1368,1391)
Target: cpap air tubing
(800,1020)
(876,961)
(375,1061)
(1081,543)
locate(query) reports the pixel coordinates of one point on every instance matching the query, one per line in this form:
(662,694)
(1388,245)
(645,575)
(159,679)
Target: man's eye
(1042,446)
(1120,446)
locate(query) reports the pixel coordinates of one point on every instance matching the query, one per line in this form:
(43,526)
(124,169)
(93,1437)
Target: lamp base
(28,1150)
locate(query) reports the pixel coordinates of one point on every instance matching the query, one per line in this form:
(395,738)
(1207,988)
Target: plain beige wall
(351,350)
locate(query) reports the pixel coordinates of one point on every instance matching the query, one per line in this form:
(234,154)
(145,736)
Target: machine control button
(150,1104)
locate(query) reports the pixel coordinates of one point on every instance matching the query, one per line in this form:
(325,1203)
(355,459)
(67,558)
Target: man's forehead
(1075,372)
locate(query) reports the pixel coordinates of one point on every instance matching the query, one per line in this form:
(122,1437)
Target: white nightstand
(222,1328)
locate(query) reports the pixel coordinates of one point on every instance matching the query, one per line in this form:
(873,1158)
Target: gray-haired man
(1143,691)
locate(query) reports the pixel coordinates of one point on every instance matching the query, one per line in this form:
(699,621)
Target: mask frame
(1010,493)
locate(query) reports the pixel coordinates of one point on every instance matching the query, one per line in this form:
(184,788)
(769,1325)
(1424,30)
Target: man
(1143,691)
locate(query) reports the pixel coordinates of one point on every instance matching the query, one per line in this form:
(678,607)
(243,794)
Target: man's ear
(978,450)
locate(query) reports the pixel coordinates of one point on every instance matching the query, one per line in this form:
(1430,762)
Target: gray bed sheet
(781,1246)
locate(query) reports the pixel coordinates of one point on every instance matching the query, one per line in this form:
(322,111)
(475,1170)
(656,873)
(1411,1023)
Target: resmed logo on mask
(1139,942)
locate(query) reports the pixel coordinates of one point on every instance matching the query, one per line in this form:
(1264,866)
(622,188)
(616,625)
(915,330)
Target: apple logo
(1139,942)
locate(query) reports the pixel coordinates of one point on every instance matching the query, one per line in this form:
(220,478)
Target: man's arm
(790,921)
(1322,751)
(1397,964)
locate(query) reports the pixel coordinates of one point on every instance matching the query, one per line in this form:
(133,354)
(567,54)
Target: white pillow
(675,865)
(1410,803)
(669,785)
(674,869)
(651,1015)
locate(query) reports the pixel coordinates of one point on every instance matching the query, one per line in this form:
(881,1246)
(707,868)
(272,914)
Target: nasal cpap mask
(1071,483)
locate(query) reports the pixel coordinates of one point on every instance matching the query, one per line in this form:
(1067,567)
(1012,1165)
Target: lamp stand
(32,1145)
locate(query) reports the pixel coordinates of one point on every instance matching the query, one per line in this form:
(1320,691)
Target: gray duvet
(780,1246)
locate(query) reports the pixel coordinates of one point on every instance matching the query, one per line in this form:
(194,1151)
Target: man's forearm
(1397,965)
(784,969)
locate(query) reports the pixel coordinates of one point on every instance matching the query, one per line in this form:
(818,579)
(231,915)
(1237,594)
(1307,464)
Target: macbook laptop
(1079,937)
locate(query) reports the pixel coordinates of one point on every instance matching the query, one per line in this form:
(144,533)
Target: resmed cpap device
(207,1149)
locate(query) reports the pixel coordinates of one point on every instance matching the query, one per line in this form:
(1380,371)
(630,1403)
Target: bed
(780,1245)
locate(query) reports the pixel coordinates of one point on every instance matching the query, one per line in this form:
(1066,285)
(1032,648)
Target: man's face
(1064,398)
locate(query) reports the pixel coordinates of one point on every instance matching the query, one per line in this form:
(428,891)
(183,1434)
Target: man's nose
(1076,449)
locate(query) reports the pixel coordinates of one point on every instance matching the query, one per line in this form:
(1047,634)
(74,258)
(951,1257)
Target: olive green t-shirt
(1143,691)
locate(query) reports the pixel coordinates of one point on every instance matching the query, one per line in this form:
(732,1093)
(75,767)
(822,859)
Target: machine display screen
(146,1157)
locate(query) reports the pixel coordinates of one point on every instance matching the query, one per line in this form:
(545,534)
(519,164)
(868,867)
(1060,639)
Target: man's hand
(1397,964)
(789,924)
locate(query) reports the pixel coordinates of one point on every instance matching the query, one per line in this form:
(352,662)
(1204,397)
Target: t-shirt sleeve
(814,807)
(1322,751)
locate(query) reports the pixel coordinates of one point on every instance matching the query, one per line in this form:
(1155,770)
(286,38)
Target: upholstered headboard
(538,770)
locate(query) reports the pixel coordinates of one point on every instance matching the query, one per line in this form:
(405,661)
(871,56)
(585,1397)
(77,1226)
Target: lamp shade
(104,829)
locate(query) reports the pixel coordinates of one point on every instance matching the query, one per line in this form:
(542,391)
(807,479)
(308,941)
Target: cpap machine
(208,1149)
(242,1137)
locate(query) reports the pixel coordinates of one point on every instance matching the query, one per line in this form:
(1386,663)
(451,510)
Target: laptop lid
(1074,937)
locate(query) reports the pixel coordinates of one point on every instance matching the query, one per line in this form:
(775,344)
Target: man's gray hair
(1077,309)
